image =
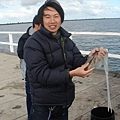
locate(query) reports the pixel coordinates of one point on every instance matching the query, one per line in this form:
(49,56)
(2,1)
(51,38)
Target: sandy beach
(90,92)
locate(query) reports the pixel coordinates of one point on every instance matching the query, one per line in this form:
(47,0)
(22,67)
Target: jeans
(43,113)
(28,99)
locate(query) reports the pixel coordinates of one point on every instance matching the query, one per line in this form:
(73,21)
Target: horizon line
(64,20)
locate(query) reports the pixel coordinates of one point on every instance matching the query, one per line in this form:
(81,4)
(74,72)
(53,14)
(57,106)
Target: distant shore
(65,20)
(15,23)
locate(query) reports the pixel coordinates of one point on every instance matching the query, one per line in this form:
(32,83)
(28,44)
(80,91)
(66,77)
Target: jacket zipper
(64,55)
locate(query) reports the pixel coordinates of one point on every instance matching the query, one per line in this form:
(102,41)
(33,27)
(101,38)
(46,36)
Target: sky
(17,11)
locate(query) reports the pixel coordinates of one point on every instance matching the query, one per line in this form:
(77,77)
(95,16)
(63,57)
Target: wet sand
(90,92)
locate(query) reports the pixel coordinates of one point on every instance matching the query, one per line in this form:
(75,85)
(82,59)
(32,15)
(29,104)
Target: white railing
(98,34)
(12,44)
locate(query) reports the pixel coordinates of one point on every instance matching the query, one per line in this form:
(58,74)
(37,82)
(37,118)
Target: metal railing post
(11,43)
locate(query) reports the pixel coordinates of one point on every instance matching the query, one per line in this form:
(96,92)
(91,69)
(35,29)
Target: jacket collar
(28,30)
(47,33)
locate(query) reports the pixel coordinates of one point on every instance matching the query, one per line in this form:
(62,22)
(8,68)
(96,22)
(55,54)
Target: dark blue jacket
(48,65)
(21,42)
(20,51)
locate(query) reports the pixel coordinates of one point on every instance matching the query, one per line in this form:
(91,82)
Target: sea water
(112,43)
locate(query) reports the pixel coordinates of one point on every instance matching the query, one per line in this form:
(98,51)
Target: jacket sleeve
(20,48)
(78,58)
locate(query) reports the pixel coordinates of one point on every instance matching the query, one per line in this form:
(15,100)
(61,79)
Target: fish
(96,61)
(93,61)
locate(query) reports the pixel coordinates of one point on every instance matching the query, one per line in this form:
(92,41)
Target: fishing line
(95,62)
(107,80)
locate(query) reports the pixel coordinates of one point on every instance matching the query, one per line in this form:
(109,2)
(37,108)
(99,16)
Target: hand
(93,51)
(101,53)
(81,72)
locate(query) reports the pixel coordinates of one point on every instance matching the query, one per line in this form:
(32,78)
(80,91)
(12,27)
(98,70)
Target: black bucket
(101,113)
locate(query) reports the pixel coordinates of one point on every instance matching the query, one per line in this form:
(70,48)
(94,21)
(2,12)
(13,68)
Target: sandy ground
(90,92)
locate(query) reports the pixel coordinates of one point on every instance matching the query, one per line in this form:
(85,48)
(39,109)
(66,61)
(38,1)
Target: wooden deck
(90,92)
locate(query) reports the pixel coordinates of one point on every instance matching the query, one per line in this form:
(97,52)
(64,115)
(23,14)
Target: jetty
(90,92)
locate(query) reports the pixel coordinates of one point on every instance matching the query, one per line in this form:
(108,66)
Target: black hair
(36,20)
(54,4)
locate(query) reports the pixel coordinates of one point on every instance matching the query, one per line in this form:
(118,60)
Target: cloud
(29,2)
(88,9)
(20,15)
(24,10)
(9,2)
(2,6)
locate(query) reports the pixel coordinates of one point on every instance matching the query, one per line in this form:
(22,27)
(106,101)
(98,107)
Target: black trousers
(44,113)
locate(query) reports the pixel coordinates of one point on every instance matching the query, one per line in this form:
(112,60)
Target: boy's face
(51,20)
